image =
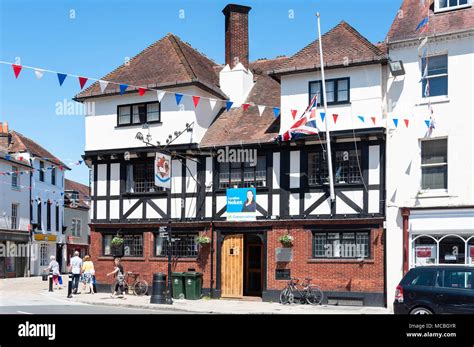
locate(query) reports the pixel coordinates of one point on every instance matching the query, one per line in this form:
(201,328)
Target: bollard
(50,280)
(69,286)
(158,291)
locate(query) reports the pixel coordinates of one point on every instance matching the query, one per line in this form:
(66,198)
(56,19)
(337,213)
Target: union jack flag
(304,126)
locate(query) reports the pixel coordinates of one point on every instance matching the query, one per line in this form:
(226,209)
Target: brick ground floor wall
(342,277)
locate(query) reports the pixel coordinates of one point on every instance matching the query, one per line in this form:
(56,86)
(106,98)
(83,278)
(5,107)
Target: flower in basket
(203,240)
(117,241)
(286,240)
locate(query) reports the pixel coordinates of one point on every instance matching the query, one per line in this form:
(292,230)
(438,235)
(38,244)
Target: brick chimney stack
(5,137)
(236,35)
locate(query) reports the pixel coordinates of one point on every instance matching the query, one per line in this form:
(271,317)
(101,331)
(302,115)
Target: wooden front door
(232,266)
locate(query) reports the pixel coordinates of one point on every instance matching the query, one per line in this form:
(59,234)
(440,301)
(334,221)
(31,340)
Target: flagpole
(328,138)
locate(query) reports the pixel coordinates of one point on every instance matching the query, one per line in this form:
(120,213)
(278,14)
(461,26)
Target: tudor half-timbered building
(339,244)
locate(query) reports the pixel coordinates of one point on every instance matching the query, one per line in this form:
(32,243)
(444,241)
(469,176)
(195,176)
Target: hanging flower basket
(203,240)
(117,246)
(286,240)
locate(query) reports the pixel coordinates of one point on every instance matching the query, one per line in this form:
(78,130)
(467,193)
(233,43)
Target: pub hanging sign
(163,170)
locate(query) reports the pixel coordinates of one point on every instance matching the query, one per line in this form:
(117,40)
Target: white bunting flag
(261,109)
(420,47)
(103,85)
(213,103)
(39,74)
(160,95)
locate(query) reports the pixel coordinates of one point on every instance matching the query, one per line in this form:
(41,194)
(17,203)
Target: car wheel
(421,310)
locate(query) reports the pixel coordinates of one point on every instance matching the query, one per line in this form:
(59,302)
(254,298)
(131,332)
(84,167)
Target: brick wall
(148,264)
(330,275)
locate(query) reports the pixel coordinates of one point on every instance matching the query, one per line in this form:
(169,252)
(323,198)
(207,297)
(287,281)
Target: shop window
(182,245)
(341,245)
(434,164)
(452,250)
(133,245)
(425,251)
(243,175)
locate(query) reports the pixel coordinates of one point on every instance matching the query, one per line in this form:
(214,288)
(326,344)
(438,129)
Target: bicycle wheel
(140,288)
(314,296)
(284,296)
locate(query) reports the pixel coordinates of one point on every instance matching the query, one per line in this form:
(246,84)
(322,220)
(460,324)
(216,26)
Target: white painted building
(14,209)
(430,172)
(47,201)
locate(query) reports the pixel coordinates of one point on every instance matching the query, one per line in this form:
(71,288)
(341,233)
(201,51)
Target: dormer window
(447,5)
(136,114)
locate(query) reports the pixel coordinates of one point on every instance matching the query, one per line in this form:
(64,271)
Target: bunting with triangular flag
(61,78)
(160,95)
(293,113)
(82,81)
(123,88)
(196,100)
(178,98)
(395,121)
(103,85)
(16,70)
(261,109)
(362,118)
(407,122)
(212,103)
(276,112)
(323,115)
(39,74)
(334,116)
(245,106)
(373,119)
(228,105)
(141,91)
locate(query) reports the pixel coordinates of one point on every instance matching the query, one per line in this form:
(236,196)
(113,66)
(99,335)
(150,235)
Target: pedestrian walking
(87,274)
(119,278)
(54,268)
(75,269)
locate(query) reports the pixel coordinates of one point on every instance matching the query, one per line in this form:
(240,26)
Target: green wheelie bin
(193,285)
(177,280)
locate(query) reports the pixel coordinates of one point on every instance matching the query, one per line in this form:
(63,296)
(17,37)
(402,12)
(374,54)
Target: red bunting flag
(373,119)
(82,81)
(16,69)
(335,117)
(293,113)
(245,106)
(196,100)
(141,91)
(406,122)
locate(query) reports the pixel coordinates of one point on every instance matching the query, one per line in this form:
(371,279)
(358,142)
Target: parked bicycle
(132,284)
(305,292)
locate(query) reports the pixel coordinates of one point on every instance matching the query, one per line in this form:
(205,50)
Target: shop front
(439,236)
(14,252)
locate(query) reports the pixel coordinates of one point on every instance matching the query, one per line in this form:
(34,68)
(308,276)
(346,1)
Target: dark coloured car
(436,290)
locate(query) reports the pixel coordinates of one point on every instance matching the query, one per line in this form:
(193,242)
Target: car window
(459,279)
(423,278)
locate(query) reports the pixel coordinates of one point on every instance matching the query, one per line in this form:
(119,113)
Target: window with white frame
(43,255)
(15,177)
(14,219)
(446,5)
(434,70)
(76,227)
(243,175)
(434,164)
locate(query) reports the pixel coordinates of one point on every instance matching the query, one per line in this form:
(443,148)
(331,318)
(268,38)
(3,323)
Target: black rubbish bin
(158,291)
(178,285)
(193,285)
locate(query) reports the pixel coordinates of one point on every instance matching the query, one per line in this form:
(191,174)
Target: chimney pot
(236,35)
(5,127)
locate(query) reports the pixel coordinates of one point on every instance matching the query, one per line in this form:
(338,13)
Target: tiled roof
(412,13)
(21,143)
(166,63)
(244,127)
(83,191)
(342,45)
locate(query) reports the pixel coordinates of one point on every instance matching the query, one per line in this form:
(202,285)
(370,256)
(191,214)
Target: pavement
(33,291)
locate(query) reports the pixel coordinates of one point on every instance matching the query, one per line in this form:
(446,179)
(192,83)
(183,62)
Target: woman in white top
(54,267)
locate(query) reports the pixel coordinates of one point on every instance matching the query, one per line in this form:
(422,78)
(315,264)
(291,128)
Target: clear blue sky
(103,33)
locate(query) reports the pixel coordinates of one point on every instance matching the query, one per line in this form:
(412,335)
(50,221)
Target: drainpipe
(406,216)
(212,260)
